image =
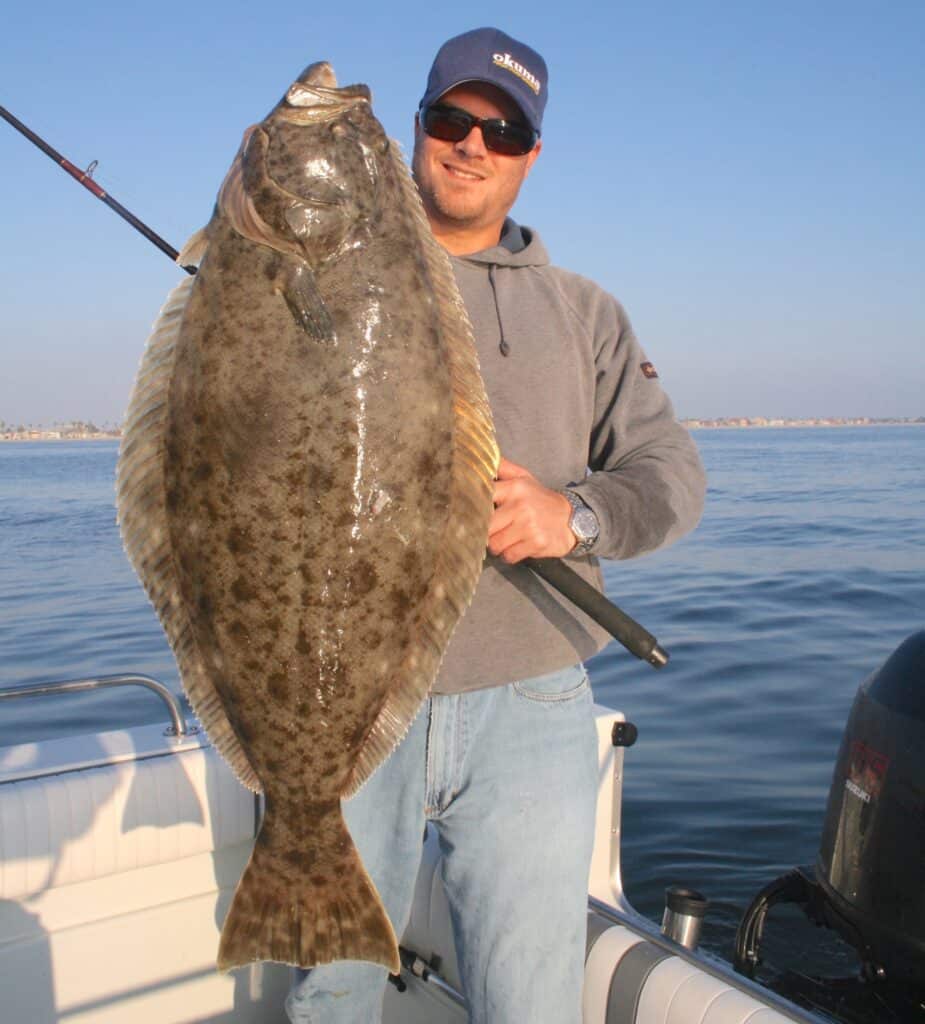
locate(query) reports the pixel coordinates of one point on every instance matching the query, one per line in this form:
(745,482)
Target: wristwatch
(583,523)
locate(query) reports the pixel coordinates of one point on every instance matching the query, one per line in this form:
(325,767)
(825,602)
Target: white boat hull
(119,853)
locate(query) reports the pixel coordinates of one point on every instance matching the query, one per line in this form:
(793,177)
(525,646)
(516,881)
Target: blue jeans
(509,777)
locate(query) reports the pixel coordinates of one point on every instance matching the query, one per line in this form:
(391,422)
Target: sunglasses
(450,124)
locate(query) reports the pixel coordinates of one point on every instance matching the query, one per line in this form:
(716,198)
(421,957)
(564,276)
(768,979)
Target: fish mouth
(316,90)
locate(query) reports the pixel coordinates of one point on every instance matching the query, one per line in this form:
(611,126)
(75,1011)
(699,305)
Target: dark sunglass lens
(508,138)
(448,125)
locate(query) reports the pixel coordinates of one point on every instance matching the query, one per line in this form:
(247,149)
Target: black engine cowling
(871,862)
(868,882)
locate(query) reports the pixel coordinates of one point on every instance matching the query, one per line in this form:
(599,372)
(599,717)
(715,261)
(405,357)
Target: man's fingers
(512,535)
(508,545)
(512,489)
(500,541)
(502,491)
(515,553)
(501,519)
(508,470)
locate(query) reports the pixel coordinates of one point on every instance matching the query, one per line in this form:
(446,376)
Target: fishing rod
(637,640)
(85,178)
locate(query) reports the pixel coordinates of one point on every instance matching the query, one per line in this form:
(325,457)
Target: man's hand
(530,520)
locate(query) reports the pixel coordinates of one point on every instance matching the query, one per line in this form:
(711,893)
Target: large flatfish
(304,489)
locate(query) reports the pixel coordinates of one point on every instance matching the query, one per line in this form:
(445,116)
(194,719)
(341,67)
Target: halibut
(304,489)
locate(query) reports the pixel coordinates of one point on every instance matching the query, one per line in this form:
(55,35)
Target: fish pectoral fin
(192,252)
(300,292)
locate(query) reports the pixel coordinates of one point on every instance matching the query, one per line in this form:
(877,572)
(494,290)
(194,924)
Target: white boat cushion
(77,826)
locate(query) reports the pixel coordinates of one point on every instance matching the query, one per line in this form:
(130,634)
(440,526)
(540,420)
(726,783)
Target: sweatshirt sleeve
(646,482)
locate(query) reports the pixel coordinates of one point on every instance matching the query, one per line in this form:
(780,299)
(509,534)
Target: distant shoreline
(722,423)
(35,436)
(768,424)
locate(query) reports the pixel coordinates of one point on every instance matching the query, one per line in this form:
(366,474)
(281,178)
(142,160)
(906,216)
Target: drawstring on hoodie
(503,343)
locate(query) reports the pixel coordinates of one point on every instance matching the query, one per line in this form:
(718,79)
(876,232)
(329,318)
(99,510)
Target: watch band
(582,522)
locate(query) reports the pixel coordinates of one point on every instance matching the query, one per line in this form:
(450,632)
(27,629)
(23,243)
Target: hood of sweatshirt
(518,247)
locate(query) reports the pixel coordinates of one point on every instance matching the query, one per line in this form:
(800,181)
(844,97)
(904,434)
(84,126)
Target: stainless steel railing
(174,707)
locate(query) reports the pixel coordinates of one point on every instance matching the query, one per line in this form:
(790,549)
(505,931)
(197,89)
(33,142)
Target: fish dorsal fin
(142,513)
(473,469)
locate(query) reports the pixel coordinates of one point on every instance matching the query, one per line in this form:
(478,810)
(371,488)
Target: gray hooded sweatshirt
(576,402)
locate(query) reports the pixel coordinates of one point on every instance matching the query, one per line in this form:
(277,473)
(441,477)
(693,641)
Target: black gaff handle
(619,625)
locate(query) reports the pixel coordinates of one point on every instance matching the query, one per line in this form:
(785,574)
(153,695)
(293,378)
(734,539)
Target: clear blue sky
(747,177)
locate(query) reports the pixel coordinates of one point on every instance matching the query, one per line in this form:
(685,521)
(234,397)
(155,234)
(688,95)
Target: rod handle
(637,640)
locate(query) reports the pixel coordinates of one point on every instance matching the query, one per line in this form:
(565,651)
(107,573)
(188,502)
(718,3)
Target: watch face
(584,524)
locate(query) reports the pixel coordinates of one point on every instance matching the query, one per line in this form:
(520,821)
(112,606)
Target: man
(502,758)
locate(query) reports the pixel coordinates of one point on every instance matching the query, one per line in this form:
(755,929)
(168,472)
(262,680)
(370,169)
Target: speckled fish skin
(325,524)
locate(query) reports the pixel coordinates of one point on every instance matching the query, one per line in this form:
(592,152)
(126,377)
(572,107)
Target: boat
(120,850)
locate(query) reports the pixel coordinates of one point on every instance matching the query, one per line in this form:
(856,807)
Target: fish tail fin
(307,903)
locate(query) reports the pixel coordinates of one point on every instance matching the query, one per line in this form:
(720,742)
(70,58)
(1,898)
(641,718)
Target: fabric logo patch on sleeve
(648,370)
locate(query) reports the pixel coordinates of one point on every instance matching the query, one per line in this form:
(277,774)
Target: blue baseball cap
(490,55)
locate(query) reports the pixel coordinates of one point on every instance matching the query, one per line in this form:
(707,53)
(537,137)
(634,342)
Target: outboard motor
(868,883)
(871,863)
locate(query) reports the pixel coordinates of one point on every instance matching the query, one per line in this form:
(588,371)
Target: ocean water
(807,571)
